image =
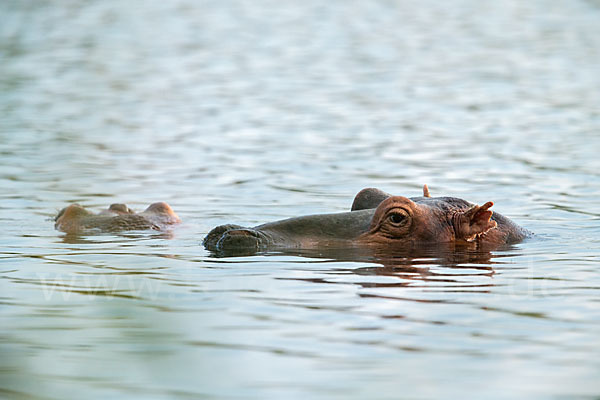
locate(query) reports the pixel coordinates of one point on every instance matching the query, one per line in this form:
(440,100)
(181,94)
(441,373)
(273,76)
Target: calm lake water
(251,111)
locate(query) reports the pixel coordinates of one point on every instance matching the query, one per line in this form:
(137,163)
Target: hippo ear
(369,198)
(474,222)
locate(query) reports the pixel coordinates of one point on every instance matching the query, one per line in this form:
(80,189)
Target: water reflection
(74,238)
(445,254)
(447,267)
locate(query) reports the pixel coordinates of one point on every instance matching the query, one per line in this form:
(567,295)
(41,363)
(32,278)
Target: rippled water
(252,111)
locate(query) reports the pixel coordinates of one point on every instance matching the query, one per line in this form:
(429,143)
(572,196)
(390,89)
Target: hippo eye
(397,218)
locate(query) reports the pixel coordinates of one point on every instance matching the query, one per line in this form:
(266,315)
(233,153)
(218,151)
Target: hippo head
(402,221)
(118,217)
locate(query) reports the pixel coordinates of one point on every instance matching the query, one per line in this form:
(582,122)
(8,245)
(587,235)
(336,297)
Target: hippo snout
(228,237)
(239,239)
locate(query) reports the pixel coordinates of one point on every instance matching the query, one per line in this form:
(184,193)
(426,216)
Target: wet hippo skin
(377,219)
(118,217)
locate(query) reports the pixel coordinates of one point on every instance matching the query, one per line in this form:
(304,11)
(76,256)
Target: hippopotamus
(118,217)
(376,219)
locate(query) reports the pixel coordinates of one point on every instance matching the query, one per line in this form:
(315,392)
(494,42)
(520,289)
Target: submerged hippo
(377,219)
(118,217)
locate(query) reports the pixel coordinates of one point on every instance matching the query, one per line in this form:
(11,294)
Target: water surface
(247,112)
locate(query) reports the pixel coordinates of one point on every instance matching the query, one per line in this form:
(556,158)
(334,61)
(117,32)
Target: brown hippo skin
(118,217)
(377,219)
